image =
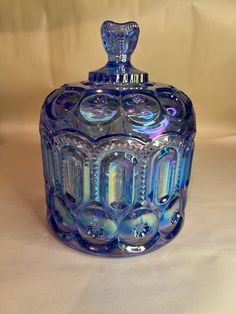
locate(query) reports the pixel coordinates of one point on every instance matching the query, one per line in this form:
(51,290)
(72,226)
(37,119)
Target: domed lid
(119,41)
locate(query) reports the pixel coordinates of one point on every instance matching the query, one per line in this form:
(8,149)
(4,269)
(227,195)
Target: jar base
(115,248)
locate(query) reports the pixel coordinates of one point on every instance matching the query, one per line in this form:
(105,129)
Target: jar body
(117,165)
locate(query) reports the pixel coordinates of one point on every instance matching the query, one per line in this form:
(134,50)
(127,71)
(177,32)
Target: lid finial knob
(119,39)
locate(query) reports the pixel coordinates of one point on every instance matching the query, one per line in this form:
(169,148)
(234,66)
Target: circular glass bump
(171,219)
(63,219)
(49,100)
(96,227)
(64,103)
(99,108)
(137,230)
(173,106)
(141,109)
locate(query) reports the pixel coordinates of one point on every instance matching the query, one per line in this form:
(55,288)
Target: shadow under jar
(117,152)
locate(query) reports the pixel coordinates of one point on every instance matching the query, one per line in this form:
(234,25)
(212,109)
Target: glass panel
(164,175)
(48,162)
(186,165)
(76,175)
(118,181)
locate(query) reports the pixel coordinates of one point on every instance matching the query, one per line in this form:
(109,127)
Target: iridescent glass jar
(117,152)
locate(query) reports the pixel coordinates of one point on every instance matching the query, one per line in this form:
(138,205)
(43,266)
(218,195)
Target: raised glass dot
(172,104)
(171,216)
(96,226)
(99,108)
(64,103)
(138,227)
(140,108)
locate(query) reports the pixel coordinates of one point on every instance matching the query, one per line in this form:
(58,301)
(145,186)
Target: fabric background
(190,44)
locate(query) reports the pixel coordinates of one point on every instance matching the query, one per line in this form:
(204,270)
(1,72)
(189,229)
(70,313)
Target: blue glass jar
(117,152)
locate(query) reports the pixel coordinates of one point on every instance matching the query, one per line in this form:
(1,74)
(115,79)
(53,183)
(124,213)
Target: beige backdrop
(188,43)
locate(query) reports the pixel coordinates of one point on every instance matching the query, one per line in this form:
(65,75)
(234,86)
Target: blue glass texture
(117,153)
